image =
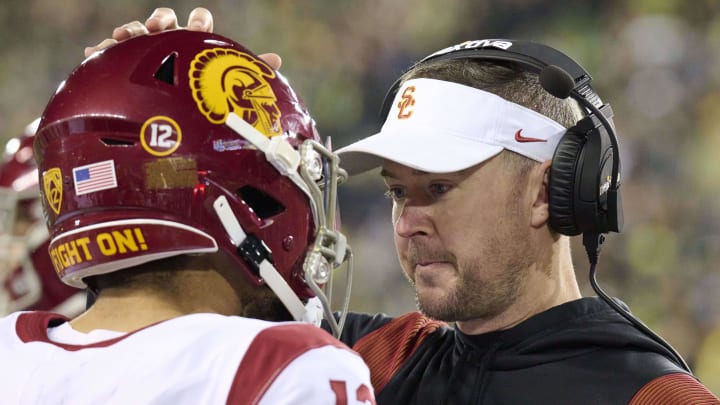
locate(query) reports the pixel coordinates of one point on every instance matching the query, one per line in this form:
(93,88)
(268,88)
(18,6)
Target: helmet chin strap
(311,312)
(330,248)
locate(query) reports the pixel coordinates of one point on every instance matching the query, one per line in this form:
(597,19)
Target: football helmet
(27,281)
(187,143)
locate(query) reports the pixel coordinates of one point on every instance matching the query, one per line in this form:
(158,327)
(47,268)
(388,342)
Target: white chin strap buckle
(313,312)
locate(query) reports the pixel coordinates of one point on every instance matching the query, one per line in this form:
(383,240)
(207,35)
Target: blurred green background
(656,61)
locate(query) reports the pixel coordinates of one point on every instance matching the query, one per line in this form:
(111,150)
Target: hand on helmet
(162,19)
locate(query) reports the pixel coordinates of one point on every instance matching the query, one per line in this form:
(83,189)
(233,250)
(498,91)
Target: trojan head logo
(225,80)
(52,185)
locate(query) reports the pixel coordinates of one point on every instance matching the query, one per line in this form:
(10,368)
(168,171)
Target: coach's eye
(395,193)
(440,188)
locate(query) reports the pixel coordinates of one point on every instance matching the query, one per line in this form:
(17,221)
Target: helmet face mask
(21,228)
(26,277)
(23,231)
(20,286)
(138,162)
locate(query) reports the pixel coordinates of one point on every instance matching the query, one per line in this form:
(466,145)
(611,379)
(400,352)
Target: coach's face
(462,237)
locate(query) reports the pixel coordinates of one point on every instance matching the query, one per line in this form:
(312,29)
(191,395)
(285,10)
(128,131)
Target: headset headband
(531,55)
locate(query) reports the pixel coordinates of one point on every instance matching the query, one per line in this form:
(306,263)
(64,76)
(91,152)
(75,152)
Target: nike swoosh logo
(520,138)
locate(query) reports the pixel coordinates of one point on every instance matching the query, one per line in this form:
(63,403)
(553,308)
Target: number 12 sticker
(160,135)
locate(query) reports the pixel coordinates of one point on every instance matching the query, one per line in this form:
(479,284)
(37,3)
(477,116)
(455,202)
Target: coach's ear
(538,189)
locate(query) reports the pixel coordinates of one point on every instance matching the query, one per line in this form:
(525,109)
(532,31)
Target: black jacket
(581,352)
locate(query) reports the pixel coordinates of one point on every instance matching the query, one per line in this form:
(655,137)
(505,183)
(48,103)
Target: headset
(584,179)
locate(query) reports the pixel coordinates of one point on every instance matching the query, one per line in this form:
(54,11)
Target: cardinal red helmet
(187,143)
(27,279)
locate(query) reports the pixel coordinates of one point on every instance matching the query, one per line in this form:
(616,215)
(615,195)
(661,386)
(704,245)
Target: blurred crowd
(656,61)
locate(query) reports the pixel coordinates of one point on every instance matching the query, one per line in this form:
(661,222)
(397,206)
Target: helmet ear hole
(264,205)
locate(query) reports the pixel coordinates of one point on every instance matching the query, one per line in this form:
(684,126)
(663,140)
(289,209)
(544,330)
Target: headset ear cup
(561,188)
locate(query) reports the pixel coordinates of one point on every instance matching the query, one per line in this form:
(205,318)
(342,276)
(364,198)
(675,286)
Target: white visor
(440,127)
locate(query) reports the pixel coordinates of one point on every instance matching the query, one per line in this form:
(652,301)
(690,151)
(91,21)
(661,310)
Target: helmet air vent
(260,202)
(166,71)
(116,142)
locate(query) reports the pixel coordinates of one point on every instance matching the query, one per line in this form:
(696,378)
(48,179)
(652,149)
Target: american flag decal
(94,177)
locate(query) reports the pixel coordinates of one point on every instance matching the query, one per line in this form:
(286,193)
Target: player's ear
(538,188)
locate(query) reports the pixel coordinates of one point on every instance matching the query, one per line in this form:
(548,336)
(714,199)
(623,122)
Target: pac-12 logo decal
(160,135)
(52,185)
(407,100)
(226,80)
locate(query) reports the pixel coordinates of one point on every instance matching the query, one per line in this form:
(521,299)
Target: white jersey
(193,359)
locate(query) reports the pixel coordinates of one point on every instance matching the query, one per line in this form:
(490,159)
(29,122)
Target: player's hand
(163,19)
